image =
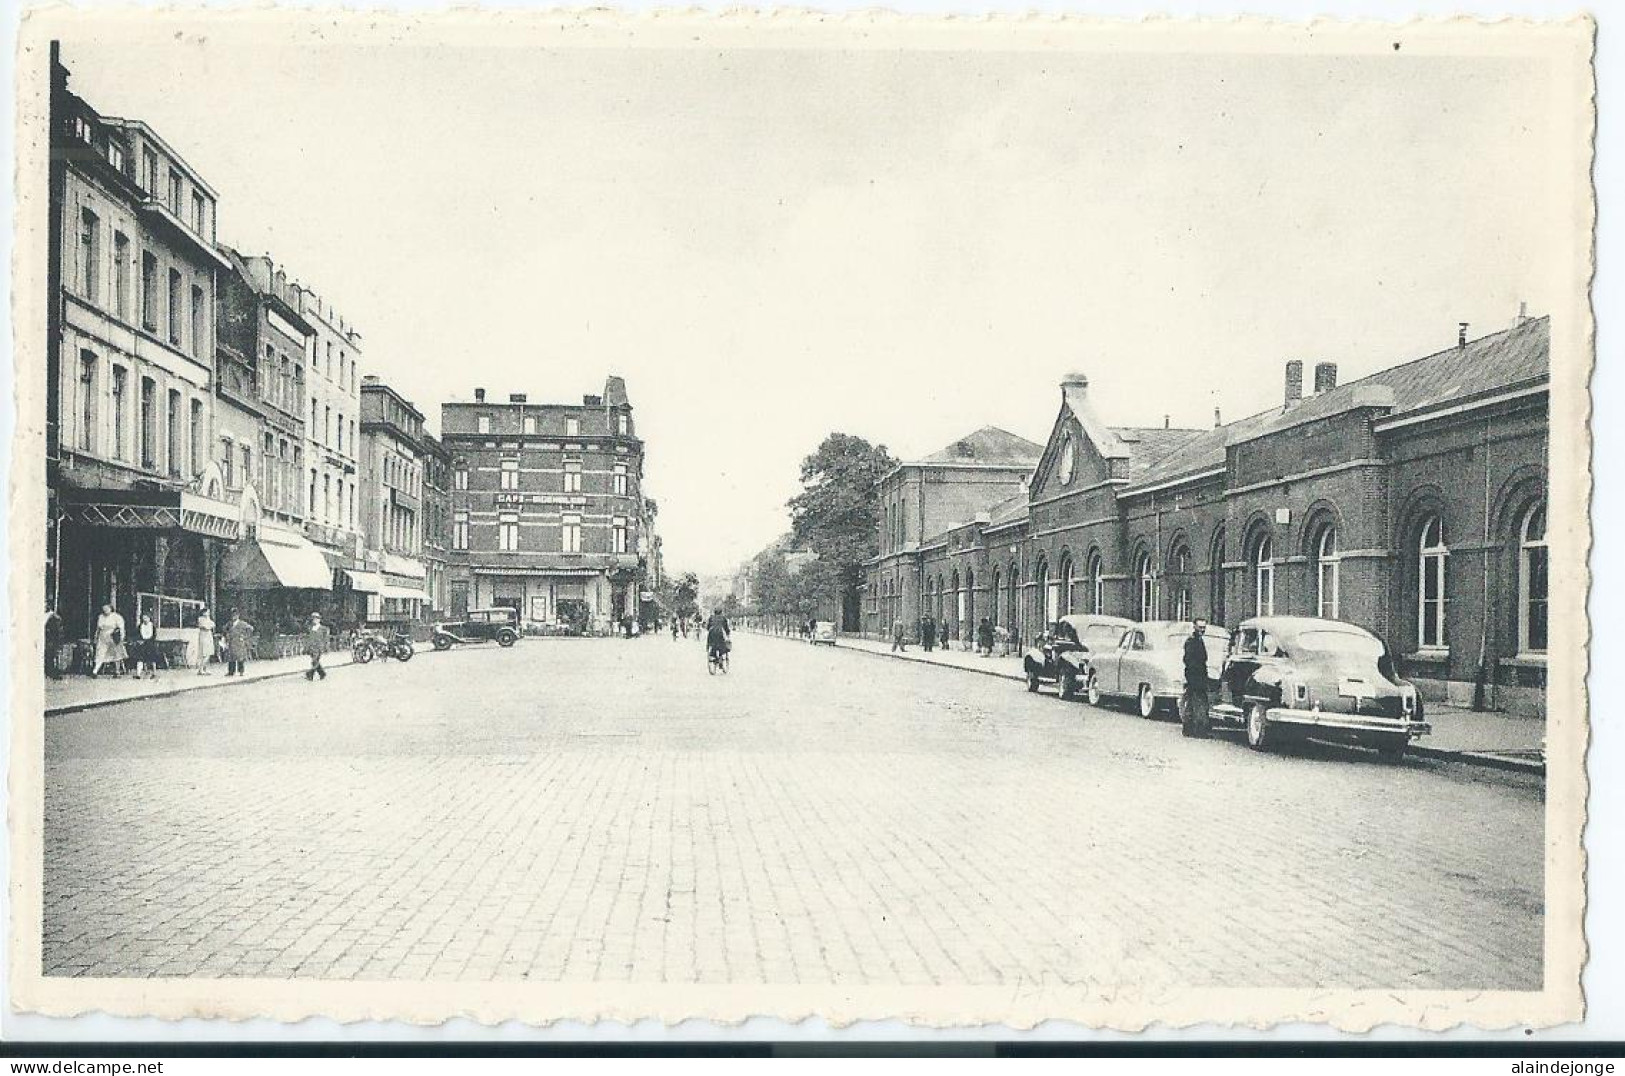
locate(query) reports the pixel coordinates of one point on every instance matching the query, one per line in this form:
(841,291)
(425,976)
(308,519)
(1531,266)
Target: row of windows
(508,477)
(897,523)
(333,508)
(329,430)
(346,371)
(278,474)
(174,193)
(1068,592)
(182,305)
(282,380)
(402,474)
(572,425)
(508,533)
(126,418)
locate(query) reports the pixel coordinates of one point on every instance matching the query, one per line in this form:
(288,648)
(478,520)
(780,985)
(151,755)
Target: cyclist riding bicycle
(717,632)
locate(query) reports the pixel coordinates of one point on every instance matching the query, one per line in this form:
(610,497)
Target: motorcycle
(369,645)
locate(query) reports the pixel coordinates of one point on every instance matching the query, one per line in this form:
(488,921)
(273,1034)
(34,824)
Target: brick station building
(1411,502)
(547,508)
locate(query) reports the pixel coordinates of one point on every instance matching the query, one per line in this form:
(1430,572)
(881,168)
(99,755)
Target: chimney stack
(1325,377)
(1167,421)
(479,395)
(1461,334)
(1216,422)
(1523,311)
(1294,382)
(516,397)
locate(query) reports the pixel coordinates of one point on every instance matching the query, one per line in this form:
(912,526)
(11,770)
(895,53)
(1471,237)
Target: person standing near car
(1193,710)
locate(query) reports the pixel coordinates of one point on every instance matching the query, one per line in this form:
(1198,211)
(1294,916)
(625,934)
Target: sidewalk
(76,691)
(1486,739)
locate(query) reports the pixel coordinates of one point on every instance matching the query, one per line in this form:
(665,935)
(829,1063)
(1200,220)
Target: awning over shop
(551,573)
(408,594)
(276,558)
(152,509)
(412,569)
(365,582)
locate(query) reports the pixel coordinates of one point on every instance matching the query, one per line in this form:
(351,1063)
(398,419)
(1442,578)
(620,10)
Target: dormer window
(572,426)
(115,155)
(82,130)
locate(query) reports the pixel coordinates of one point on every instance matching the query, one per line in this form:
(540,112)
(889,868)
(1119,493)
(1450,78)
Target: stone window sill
(1524,661)
(1430,656)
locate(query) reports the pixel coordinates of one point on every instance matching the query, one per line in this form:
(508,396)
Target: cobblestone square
(603,810)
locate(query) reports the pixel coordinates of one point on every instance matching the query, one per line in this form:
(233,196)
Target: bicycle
(717,662)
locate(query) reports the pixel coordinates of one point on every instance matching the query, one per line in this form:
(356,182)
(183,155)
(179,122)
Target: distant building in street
(920,500)
(1411,502)
(548,513)
(392,491)
(332,432)
(436,521)
(136,516)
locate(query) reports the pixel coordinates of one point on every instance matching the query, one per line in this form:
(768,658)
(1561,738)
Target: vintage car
(500,624)
(1148,665)
(1318,679)
(1063,653)
(823,632)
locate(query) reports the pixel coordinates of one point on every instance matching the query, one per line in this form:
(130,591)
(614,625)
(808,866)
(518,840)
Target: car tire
(1392,748)
(507,638)
(442,642)
(1258,726)
(1032,679)
(1092,689)
(1067,685)
(1148,701)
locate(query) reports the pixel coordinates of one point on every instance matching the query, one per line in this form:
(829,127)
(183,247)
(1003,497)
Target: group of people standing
(934,635)
(121,651)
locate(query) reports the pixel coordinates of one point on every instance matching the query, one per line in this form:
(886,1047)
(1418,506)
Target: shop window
(1532,582)
(1432,593)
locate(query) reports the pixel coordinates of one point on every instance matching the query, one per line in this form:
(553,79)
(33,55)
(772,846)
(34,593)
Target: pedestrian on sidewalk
(1193,708)
(984,637)
(1001,638)
(53,644)
(205,641)
(146,648)
(110,648)
(899,641)
(928,633)
(239,645)
(316,639)
(942,633)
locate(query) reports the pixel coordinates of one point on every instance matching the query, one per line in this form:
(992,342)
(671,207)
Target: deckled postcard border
(1567,45)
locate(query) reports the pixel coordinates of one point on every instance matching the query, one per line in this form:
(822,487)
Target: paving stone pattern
(603,810)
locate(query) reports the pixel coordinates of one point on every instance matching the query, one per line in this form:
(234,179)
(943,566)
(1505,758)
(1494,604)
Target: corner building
(547,508)
(1411,502)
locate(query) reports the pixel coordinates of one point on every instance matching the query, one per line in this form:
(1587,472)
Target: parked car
(1148,664)
(1319,679)
(1063,653)
(823,632)
(500,624)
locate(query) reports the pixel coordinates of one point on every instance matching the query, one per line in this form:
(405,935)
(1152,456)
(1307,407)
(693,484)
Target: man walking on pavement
(1193,710)
(239,645)
(898,639)
(928,633)
(316,640)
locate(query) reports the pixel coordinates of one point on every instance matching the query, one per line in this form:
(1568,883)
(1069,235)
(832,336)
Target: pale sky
(771,245)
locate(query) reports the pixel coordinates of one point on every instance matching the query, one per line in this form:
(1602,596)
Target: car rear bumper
(1328,719)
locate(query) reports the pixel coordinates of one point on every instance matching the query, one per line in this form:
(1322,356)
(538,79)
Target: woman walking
(109,642)
(205,641)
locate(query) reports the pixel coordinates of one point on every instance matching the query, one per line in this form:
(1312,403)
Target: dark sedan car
(500,624)
(1062,654)
(1320,679)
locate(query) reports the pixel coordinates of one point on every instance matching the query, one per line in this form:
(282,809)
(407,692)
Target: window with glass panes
(1433,559)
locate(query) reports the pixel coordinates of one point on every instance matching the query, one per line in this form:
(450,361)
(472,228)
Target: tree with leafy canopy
(835,515)
(686,594)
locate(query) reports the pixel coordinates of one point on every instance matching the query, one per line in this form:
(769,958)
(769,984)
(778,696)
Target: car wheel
(507,638)
(1148,701)
(442,642)
(1093,690)
(1068,684)
(1032,678)
(1258,726)
(1392,748)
